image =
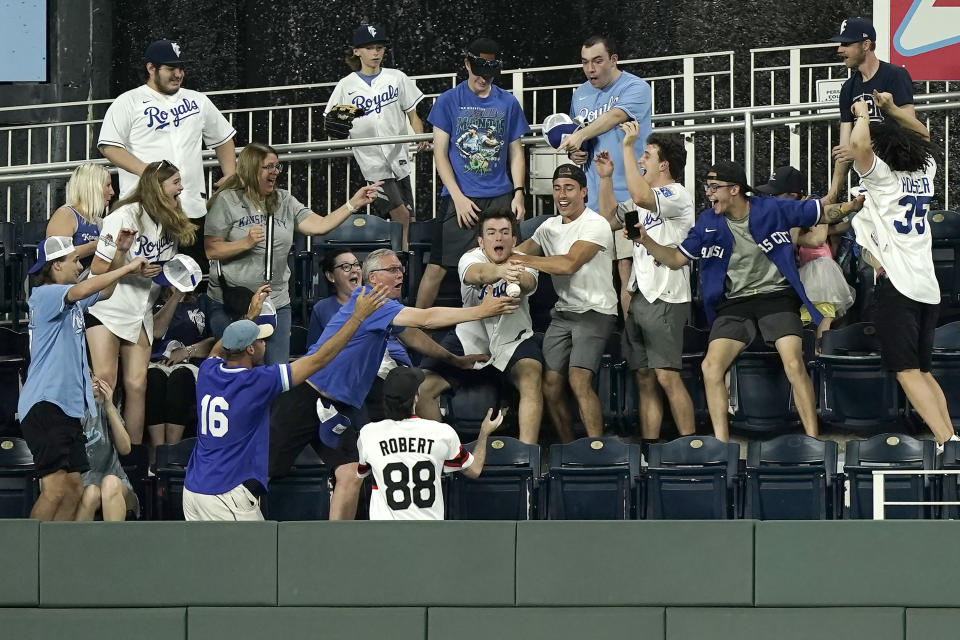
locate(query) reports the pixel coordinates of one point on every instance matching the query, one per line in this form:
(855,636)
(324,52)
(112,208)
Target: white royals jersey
(387,100)
(499,336)
(407,459)
(668,225)
(154,126)
(893,227)
(131,305)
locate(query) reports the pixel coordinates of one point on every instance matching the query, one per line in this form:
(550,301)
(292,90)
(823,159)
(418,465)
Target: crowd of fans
(216,360)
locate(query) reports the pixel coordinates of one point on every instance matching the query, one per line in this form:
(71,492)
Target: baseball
(513,290)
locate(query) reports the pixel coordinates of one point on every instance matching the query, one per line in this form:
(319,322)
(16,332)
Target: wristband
(520,189)
(351,208)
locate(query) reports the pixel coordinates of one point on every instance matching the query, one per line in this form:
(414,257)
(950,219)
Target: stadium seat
(14,357)
(761,397)
(854,391)
(466,408)
(792,477)
(360,233)
(300,261)
(543,299)
(592,479)
(298,341)
(11,272)
(419,242)
(950,460)
(945,229)
(172,462)
(890,451)
(692,478)
(302,494)
(136,464)
(508,488)
(18,487)
(946,368)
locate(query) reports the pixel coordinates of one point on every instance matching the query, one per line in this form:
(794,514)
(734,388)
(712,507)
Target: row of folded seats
(694,477)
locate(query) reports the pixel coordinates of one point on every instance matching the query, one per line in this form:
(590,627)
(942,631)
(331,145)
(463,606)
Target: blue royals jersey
(233,425)
(350,374)
(633,96)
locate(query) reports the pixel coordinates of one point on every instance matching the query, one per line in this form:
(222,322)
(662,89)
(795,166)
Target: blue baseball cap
(164,52)
(369,34)
(243,333)
(855,30)
(50,249)
(180,272)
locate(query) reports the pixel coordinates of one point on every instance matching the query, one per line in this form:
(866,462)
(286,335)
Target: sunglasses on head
(164,163)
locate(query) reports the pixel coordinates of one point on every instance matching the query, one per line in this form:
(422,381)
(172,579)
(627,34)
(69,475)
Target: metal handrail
(879,486)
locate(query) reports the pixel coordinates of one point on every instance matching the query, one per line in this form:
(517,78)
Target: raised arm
(162,318)
(488,426)
(103,392)
(439,317)
(581,252)
(604,123)
(105,283)
(606,198)
(315,225)
(905,116)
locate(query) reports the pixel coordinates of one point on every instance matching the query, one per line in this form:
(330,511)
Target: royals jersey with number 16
(893,227)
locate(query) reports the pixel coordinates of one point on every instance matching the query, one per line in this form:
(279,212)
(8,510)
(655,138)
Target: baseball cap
(783,180)
(181,272)
(571,171)
(369,34)
(243,333)
(268,316)
(52,248)
(484,57)
(402,384)
(556,127)
(855,30)
(164,52)
(729,171)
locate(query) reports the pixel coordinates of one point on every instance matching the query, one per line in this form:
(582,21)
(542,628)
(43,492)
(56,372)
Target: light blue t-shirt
(58,370)
(350,374)
(481,130)
(633,95)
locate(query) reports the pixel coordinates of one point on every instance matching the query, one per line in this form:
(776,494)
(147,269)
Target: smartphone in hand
(630,220)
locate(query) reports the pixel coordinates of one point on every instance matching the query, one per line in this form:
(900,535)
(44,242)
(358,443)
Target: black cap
(402,384)
(783,180)
(855,30)
(730,171)
(164,52)
(369,34)
(484,45)
(484,57)
(571,171)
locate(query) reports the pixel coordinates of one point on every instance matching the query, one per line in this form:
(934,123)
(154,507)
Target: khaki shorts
(238,504)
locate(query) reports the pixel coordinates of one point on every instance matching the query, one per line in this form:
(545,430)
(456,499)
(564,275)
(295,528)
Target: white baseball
(513,290)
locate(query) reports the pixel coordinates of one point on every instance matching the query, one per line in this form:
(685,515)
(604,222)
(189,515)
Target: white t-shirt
(387,100)
(153,126)
(668,225)
(591,287)
(131,305)
(407,459)
(499,336)
(893,227)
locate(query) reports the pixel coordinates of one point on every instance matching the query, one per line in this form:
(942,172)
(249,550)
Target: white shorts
(238,504)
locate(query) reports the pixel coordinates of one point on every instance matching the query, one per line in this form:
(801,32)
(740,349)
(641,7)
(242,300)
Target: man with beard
(575,248)
(327,410)
(508,340)
(160,120)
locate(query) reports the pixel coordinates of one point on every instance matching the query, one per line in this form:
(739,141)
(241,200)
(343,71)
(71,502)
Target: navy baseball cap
(571,171)
(730,171)
(783,180)
(369,34)
(50,249)
(855,30)
(243,333)
(164,52)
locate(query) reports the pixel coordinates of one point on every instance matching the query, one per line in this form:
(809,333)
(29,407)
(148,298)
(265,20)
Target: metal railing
(879,486)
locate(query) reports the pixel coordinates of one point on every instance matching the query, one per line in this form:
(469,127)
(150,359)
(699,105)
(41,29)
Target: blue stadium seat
(302,494)
(854,391)
(300,261)
(136,465)
(945,229)
(12,270)
(543,299)
(18,487)
(172,462)
(760,394)
(508,488)
(890,451)
(694,349)
(360,233)
(951,483)
(693,478)
(419,243)
(592,479)
(466,409)
(946,368)
(14,358)
(792,477)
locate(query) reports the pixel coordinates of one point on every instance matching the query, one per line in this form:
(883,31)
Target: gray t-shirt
(101,453)
(750,271)
(231,217)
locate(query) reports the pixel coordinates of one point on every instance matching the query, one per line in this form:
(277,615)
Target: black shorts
(531,348)
(775,315)
(391,194)
(55,439)
(905,328)
(294,424)
(450,241)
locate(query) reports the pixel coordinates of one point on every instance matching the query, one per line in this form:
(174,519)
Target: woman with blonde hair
(89,191)
(239,215)
(123,325)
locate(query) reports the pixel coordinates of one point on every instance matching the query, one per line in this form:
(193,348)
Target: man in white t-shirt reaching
(508,340)
(576,249)
(407,455)
(660,303)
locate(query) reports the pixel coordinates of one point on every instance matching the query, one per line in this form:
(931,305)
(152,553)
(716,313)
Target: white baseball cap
(181,272)
(52,248)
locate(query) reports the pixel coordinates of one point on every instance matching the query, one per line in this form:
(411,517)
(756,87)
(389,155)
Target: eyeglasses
(712,188)
(347,267)
(270,167)
(392,270)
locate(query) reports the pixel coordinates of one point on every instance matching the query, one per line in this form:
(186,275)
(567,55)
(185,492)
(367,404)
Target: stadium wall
(476,580)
